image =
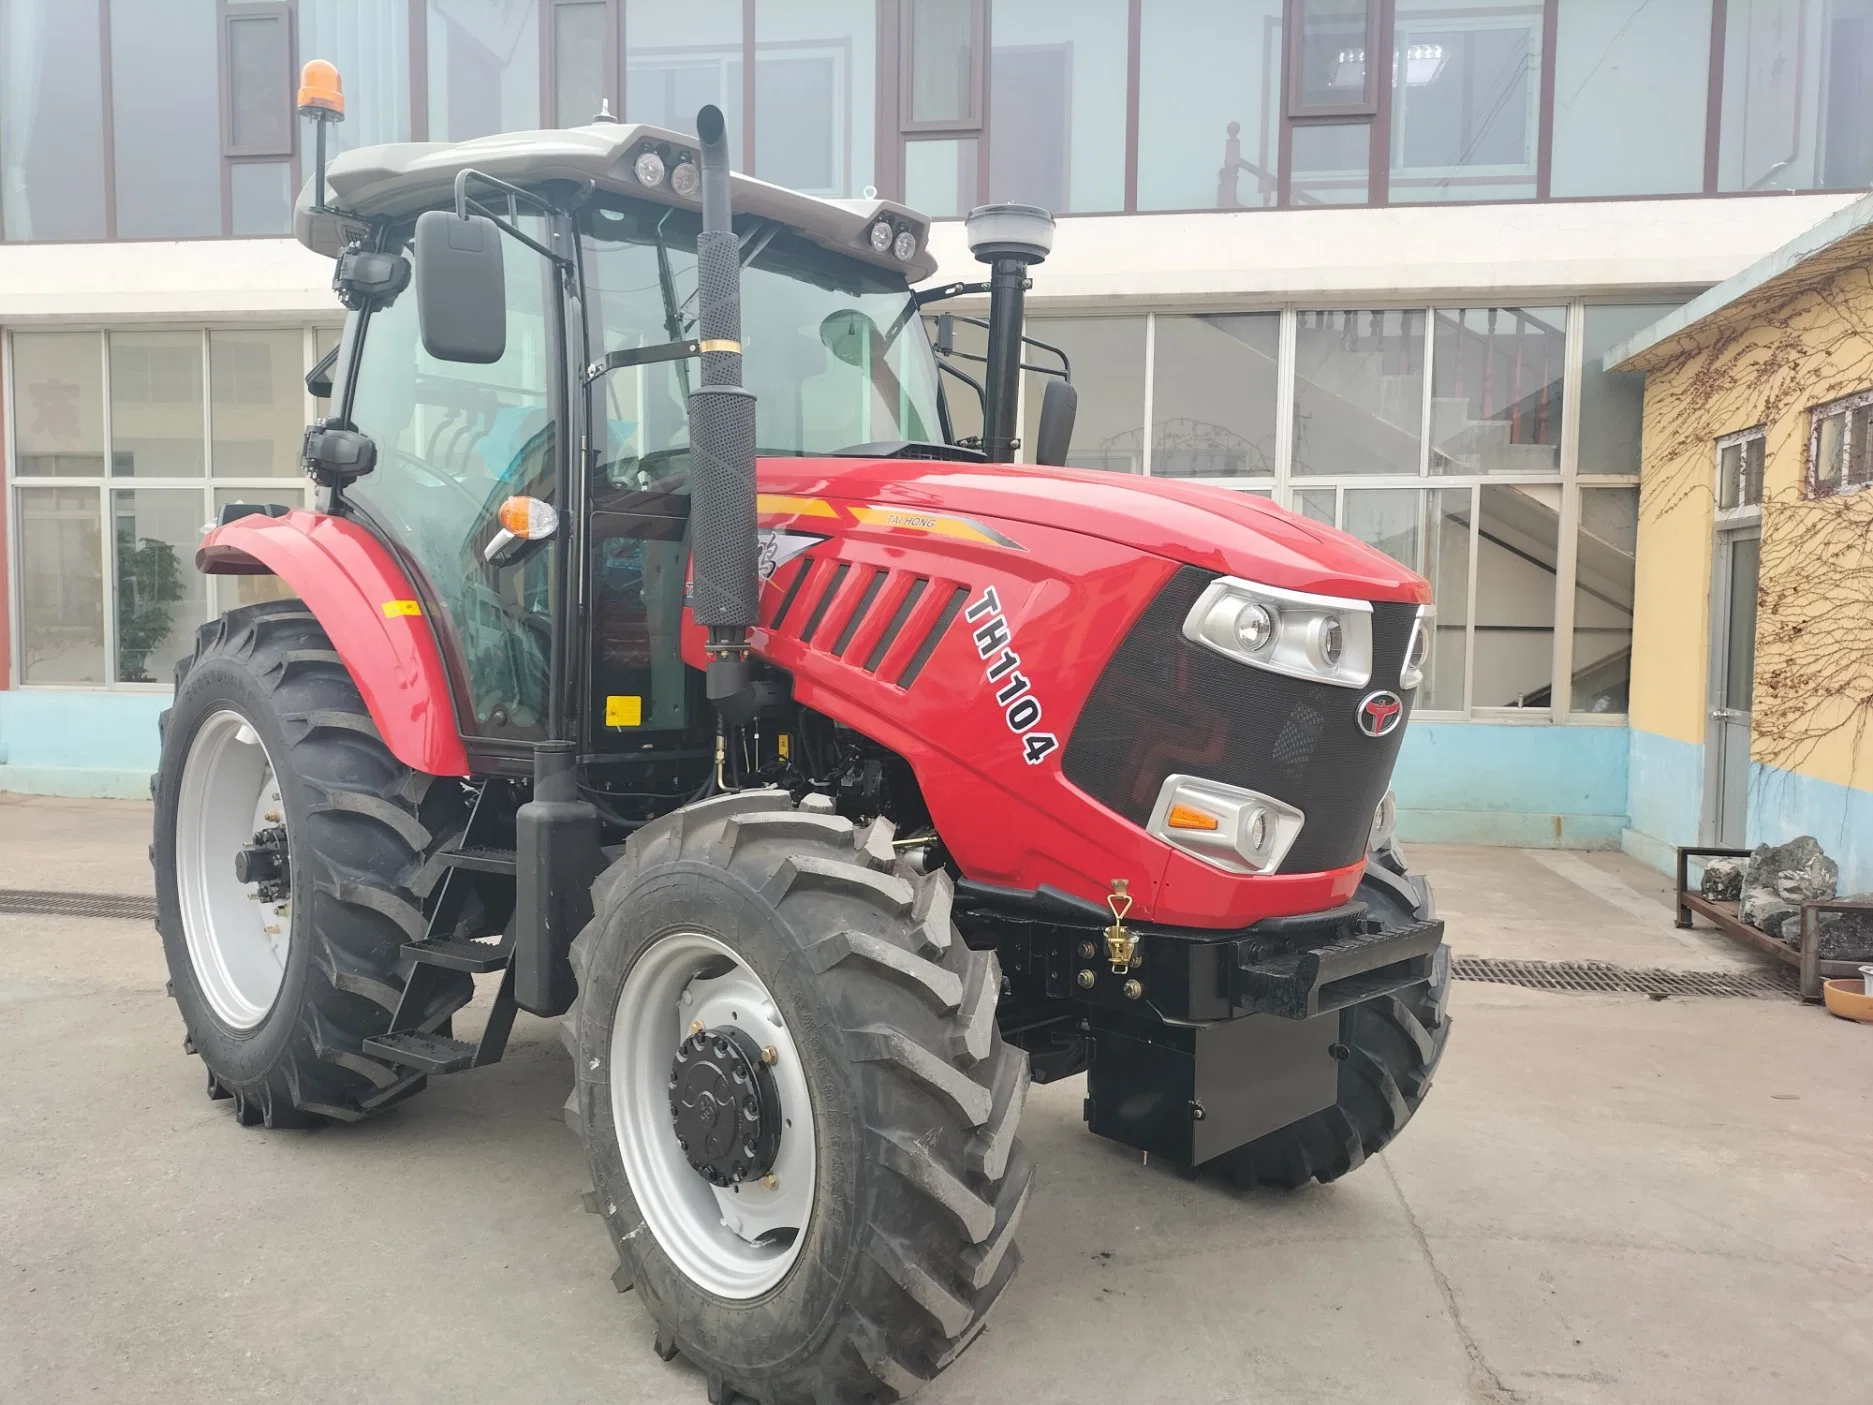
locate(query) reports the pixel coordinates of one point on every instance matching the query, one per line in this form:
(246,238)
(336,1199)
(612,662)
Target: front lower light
(1322,638)
(648,168)
(904,246)
(1384,823)
(881,236)
(1227,827)
(1417,651)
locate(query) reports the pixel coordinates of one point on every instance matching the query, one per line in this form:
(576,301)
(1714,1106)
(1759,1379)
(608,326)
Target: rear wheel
(1389,1050)
(292,854)
(797,1108)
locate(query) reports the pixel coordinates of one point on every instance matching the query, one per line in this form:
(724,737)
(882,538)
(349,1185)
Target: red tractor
(659,646)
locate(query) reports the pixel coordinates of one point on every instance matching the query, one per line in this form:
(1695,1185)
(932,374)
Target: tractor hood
(1216,529)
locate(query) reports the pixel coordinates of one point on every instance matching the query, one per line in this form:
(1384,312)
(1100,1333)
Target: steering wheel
(404,459)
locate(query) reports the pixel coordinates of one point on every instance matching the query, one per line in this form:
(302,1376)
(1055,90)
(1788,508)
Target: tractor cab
(571,419)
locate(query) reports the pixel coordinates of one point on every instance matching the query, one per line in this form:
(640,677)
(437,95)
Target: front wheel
(797,1108)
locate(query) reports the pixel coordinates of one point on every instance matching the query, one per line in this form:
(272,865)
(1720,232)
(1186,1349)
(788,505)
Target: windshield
(832,349)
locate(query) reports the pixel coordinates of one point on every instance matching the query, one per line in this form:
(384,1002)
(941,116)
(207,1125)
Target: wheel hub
(724,1106)
(263,862)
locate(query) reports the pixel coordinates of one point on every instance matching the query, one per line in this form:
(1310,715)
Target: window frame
(282,13)
(1844,406)
(1739,439)
(1378,27)
(976,119)
(294,489)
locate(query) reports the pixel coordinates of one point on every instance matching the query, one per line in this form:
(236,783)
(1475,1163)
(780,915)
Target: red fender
(364,601)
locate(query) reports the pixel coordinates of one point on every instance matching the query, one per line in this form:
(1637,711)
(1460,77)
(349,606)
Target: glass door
(1732,671)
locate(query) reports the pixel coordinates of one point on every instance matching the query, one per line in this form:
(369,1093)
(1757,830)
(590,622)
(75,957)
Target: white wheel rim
(738,1241)
(237,944)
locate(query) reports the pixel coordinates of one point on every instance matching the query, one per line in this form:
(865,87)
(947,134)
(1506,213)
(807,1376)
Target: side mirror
(1060,405)
(461,288)
(334,453)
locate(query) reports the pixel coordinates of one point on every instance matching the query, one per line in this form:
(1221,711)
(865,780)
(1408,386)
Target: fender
(364,600)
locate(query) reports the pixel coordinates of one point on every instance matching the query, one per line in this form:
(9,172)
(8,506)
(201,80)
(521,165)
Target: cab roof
(406,178)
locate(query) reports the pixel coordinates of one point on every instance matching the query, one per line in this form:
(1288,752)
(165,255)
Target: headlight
(648,168)
(1324,638)
(904,246)
(1236,830)
(685,179)
(1418,650)
(881,236)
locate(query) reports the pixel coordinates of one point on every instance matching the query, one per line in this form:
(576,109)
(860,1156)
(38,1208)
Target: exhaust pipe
(725,580)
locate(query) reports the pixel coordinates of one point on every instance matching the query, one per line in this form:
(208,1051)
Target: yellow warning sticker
(394,608)
(624,710)
(785,505)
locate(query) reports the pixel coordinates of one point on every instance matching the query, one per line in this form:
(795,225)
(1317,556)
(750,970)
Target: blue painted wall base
(1783,804)
(78,743)
(1665,788)
(1521,784)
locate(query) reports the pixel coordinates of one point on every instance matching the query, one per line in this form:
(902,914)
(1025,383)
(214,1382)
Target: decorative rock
(1847,936)
(1779,878)
(1765,909)
(1722,881)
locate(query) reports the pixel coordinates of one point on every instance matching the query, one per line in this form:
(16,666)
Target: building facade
(1364,257)
(1752,679)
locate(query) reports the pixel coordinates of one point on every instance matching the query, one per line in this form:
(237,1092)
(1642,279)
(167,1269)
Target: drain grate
(1766,984)
(132,907)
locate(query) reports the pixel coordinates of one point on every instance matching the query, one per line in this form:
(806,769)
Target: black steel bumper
(1345,959)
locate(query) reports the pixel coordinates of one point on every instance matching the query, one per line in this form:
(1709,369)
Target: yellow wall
(1814,662)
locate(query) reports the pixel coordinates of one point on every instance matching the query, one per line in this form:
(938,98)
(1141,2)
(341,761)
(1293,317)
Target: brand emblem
(1380,713)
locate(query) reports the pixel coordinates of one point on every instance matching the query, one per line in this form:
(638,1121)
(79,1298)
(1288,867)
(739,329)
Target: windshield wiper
(672,314)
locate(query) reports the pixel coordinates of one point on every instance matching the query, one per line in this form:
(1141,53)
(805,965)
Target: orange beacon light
(321,95)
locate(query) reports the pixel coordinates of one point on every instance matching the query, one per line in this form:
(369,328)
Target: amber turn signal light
(1189,817)
(320,92)
(528,518)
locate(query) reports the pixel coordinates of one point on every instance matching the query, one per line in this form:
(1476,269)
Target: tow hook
(1121,943)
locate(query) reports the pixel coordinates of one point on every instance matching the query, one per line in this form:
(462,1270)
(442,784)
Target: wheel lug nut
(771,1181)
(770,1055)
(696,1026)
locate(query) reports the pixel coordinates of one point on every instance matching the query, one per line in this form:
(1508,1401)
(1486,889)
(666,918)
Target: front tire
(905,1094)
(268,732)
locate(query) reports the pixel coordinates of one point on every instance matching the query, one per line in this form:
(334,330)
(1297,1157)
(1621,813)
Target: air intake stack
(725,582)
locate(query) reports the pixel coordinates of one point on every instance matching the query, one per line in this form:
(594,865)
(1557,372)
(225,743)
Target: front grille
(1165,706)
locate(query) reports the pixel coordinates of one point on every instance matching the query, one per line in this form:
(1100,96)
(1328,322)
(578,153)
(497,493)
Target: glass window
(160,595)
(156,404)
(1108,359)
(1358,392)
(940,78)
(1739,464)
(51,121)
(453,442)
(1517,559)
(1612,403)
(1214,395)
(1318,504)
(257,395)
(940,177)
(1053,72)
(815,86)
(58,404)
(166,118)
(579,52)
(1623,68)
(1496,389)
(1466,91)
(1603,561)
(261,197)
(1429,531)
(61,585)
(259,83)
(1209,94)
(371,46)
(679,57)
(1331,68)
(965,406)
(484,68)
(1842,454)
(1332,164)
(1797,102)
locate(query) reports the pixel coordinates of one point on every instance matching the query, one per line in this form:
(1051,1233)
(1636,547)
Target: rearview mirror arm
(464,206)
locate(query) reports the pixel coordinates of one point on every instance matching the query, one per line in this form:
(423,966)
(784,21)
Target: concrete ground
(1606,1198)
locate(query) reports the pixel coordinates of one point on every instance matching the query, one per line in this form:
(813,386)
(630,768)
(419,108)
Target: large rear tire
(889,1232)
(1389,1050)
(268,732)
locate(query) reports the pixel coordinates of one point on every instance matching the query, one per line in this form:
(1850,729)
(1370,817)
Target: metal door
(1732,670)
